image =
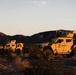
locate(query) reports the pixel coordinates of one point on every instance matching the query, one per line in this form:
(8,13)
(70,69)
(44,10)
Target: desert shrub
(21,64)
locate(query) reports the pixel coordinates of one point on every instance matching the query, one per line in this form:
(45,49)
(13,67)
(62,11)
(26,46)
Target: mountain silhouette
(3,38)
(36,38)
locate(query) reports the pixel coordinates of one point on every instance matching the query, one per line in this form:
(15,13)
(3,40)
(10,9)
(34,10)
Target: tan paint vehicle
(59,46)
(13,46)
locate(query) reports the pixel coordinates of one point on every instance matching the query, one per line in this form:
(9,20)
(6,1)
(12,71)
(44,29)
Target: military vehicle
(13,46)
(62,45)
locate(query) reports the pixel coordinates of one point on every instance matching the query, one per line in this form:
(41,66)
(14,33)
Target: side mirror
(55,42)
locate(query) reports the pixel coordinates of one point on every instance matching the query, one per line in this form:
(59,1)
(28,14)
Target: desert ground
(20,65)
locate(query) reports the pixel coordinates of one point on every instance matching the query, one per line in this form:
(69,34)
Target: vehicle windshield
(54,39)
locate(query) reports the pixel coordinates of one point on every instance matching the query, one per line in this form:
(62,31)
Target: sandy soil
(25,66)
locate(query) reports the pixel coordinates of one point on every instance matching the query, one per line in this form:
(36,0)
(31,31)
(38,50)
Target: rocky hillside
(3,38)
(36,38)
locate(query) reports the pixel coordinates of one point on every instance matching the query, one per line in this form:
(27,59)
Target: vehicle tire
(70,55)
(48,54)
(18,52)
(74,52)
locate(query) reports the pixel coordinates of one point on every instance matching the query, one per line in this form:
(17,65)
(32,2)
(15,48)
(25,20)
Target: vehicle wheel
(74,52)
(70,55)
(48,54)
(17,51)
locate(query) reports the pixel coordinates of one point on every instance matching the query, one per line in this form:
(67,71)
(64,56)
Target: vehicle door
(68,45)
(60,45)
